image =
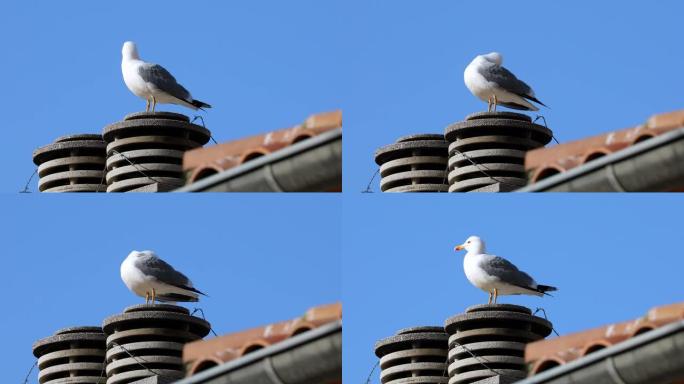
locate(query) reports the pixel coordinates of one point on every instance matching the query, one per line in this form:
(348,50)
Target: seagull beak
(458,247)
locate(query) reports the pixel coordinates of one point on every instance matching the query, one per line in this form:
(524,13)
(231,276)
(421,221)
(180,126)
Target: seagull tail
(517,106)
(538,102)
(193,289)
(543,289)
(201,105)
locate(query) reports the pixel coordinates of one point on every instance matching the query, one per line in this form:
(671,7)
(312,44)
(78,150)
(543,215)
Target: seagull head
(493,57)
(130,50)
(473,244)
(138,254)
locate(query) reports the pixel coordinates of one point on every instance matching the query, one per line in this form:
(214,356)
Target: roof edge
(564,179)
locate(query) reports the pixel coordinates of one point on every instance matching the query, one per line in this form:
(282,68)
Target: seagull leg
(496,294)
(154,293)
(147,105)
(489,104)
(154,103)
(490,298)
(147,297)
(495,108)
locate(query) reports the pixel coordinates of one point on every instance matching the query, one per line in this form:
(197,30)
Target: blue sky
(263,65)
(612,257)
(599,65)
(260,260)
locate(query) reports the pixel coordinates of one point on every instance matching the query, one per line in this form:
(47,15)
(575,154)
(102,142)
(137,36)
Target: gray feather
(506,80)
(170,297)
(162,271)
(164,81)
(506,272)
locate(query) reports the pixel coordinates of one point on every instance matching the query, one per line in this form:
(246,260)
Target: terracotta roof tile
(203,162)
(546,354)
(200,355)
(544,162)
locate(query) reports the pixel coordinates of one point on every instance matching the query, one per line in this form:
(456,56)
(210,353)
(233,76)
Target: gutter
(312,165)
(311,357)
(653,357)
(653,165)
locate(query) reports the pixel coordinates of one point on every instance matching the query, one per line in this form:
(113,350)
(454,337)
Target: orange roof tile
(546,354)
(544,162)
(203,162)
(204,354)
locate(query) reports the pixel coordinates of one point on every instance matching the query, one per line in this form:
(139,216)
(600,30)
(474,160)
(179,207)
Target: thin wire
(203,126)
(478,358)
(545,126)
(371,372)
(368,187)
(26,187)
(195,310)
(135,358)
(104,173)
(480,166)
(542,310)
(136,166)
(29,372)
(104,364)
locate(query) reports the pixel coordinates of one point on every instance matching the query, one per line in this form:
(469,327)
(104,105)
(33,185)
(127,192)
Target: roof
(593,164)
(312,165)
(650,358)
(202,355)
(547,354)
(202,162)
(312,357)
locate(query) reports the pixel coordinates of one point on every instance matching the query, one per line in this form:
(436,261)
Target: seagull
(488,80)
(152,82)
(495,274)
(148,276)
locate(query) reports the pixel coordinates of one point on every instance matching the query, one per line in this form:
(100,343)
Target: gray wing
(506,80)
(162,271)
(164,81)
(507,272)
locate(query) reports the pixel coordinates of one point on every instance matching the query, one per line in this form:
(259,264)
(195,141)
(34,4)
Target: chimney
(147,340)
(487,151)
(487,343)
(414,163)
(413,355)
(145,151)
(72,163)
(71,355)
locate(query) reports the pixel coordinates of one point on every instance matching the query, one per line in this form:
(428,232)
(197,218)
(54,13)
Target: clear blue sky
(612,257)
(263,65)
(599,65)
(259,259)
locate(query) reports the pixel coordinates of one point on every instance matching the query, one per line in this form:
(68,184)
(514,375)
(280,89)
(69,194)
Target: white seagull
(495,274)
(488,80)
(152,82)
(150,277)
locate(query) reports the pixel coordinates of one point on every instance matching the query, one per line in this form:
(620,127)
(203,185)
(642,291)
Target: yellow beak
(458,247)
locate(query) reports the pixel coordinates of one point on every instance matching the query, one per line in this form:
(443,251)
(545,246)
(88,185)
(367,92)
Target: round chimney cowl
(495,334)
(74,354)
(413,355)
(487,151)
(72,163)
(153,334)
(414,163)
(147,148)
